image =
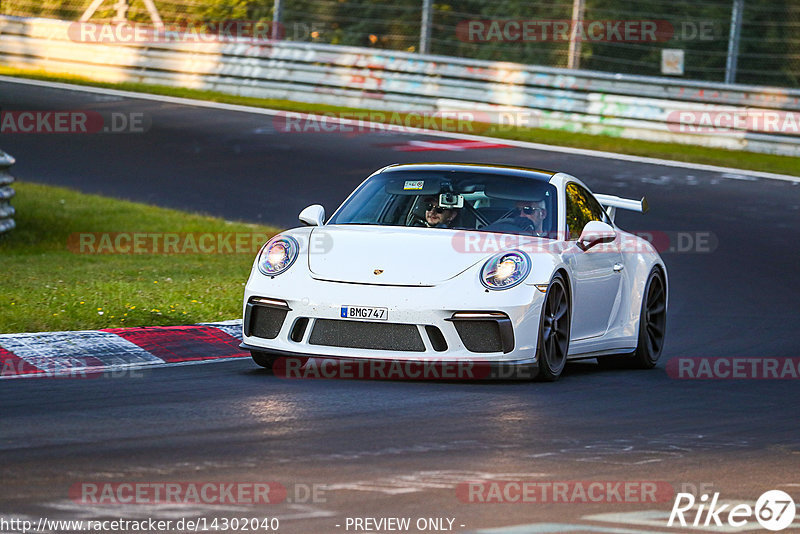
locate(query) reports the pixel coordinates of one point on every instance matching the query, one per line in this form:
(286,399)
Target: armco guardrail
(6,193)
(736,117)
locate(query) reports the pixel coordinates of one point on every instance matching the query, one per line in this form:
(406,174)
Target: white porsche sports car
(511,267)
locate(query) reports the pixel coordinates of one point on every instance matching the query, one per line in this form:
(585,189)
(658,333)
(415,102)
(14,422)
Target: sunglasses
(527,210)
(430,206)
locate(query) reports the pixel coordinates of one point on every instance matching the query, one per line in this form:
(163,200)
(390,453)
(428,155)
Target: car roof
(504,170)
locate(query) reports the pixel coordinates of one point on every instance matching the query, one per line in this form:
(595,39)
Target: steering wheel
(412,219)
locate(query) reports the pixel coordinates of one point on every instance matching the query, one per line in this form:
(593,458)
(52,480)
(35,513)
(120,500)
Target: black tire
(264,360)
(554,331)
(652,328)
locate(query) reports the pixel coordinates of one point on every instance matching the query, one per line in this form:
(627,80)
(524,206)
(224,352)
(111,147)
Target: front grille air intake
(299,329)
(484,331)
(264,317)
(479,336)
(437,339)
(365,335)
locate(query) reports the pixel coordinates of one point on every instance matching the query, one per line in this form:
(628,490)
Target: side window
(582,207)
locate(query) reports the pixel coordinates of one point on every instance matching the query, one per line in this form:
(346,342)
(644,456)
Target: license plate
(364,312)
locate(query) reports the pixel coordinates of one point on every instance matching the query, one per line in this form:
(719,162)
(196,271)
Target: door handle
(618,267)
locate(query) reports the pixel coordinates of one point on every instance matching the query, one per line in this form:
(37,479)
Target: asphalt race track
(401,449)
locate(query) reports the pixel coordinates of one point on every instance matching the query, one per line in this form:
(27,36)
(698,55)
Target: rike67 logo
(774,510)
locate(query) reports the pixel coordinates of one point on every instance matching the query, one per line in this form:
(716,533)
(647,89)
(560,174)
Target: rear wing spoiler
(611,203)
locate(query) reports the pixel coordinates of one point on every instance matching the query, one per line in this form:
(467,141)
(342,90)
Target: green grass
(47,286)
(671,151)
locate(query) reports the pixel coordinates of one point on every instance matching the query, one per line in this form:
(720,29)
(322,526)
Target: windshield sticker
(413,185)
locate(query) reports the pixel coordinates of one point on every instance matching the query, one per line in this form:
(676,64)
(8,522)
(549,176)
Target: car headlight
(278,255)
(505,270)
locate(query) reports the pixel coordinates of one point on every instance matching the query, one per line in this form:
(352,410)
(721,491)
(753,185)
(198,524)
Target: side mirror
(594,233)
(313,215)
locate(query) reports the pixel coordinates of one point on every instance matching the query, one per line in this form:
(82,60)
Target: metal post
(121,8)
(733,41)
(574,57)
(90,10)
(153,10)
(6,193)
(277,16)
(425,27)
(122,11)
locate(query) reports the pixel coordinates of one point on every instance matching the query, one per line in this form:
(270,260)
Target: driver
(530,216)
(527,216)
(436,216)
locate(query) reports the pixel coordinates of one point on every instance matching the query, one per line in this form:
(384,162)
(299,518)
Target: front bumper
(451,321)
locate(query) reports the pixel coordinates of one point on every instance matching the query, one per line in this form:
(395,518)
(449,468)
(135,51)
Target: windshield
(458,200)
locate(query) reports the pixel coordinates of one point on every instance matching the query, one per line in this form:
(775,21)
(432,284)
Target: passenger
(436,216)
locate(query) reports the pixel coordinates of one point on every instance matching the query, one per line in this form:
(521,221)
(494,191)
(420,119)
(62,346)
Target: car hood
(406,256)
